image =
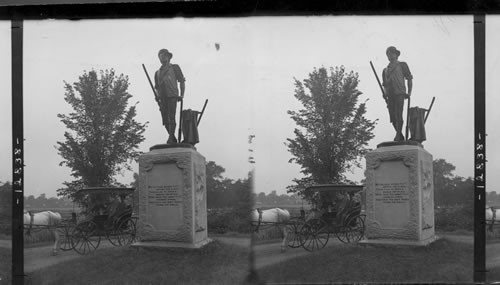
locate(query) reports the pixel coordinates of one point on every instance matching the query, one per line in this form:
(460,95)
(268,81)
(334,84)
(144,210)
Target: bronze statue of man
(166,79)
(393,78)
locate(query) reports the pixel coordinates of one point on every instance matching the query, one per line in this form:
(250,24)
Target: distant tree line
(493,198)
(274,199)
(29,201)
(50,203)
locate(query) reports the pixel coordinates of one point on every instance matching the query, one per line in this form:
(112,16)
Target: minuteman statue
(393,78)
(166,79)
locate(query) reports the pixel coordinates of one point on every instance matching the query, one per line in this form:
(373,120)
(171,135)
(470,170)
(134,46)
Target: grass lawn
(216,263)
(442,261)
(5,265)
(493,275)
(492,265)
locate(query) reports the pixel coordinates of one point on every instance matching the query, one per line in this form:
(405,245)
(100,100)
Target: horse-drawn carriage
(109,216)
(337,211)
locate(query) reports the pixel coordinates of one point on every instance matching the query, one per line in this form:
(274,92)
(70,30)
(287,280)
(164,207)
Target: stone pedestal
(171,200)
(399,196)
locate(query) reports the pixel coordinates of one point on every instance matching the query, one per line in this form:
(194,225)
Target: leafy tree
(29,201)
(273,197)
(6,208)
(135,183)
(102,135)
(214,176)
(6,200)
(218,195)
(261,198)
(226,193)
(450,189)
(333,133)
(443,173)
(41,200)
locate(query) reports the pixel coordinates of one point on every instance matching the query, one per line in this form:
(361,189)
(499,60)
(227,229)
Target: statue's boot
(399,137)
(399,134)
(171,140)
(171,137)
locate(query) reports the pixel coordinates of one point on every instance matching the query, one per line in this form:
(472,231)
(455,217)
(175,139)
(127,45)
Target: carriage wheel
(84,238)
(293,236)
(113,235)
(363,217)
(341,234)
(355,229)
(123,234)
(314,235)
(65,243)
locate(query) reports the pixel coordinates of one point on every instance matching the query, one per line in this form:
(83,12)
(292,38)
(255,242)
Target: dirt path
(269,254)
(457,237)
(240,241)
(5,243)
(41,257)
(492,255)
(265,254)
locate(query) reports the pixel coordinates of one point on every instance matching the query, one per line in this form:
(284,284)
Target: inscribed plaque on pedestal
(164,205)
(392,207)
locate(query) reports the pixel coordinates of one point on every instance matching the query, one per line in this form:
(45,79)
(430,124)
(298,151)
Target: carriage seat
(100,218)
(351,210)
(121,212)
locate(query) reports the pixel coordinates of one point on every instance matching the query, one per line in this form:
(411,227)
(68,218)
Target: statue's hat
(164,50)
(392,49)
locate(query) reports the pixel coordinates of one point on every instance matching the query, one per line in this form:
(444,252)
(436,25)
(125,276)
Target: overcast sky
(248,81)
(5,105)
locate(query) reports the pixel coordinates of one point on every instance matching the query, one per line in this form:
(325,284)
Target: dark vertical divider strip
(18,153)
(479,149)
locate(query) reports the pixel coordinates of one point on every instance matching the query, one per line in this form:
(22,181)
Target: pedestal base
(398,242)
(399,196)
(171,200)
(167,244)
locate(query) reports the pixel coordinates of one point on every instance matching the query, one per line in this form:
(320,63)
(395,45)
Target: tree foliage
(6,208)
(450,189)
(332,132)
(224,192)
(102,135)
(229,202)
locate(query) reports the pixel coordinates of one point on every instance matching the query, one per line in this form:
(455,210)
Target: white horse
(491,217)
(43,220)
(275,217)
